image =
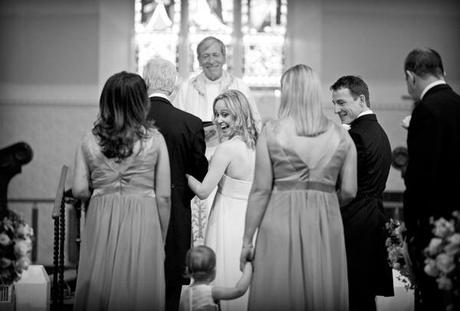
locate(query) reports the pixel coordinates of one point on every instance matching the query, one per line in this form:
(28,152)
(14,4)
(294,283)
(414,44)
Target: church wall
(54,58)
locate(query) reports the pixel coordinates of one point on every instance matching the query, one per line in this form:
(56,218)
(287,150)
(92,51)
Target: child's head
(201,263)
(233,116)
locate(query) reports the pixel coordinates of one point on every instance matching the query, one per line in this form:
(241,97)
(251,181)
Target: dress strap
(283,185)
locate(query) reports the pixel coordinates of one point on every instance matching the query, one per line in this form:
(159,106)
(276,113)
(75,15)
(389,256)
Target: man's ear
(410,76)
(362,100)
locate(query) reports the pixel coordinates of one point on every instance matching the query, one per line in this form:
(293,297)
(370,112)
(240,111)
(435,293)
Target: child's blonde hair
(201,263)
(245,125)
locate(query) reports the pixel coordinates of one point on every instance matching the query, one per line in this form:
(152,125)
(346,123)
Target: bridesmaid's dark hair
(122,118)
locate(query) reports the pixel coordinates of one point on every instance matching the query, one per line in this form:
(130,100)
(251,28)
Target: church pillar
(304,33)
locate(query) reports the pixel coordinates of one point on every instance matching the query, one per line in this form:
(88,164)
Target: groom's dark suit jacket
(184,138)
(432,177)
(364,219)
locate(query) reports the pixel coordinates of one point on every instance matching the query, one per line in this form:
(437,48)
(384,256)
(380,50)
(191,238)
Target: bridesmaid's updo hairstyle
(122,118)
(201,263)
(238,105)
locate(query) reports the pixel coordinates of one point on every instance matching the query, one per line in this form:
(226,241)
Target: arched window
(252,30)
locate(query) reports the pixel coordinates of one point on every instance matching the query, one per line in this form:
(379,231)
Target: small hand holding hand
(247,254)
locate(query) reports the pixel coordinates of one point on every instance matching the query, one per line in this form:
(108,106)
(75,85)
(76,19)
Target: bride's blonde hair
(245,125)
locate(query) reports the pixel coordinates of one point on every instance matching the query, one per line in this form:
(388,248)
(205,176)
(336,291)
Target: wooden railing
(57,295)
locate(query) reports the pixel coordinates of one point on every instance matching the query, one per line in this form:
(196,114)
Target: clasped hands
(247,254)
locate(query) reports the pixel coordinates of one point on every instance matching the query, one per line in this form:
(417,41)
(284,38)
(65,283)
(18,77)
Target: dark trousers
(172,296)
(178,241)
(427,295)
(359,301)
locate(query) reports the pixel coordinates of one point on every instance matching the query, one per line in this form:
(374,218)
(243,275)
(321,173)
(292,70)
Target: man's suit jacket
(433,172)
(364,218)
(184,136)
(432,180)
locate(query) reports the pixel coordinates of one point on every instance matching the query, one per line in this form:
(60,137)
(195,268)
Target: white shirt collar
(364,113)
(431,85)
(160,95)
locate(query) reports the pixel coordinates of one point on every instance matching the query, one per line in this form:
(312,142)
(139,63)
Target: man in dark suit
(369,273)
(184,137)
(433,172)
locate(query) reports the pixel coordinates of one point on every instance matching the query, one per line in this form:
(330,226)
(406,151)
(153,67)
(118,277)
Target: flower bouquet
(398,257)
(15,248)
(442,256)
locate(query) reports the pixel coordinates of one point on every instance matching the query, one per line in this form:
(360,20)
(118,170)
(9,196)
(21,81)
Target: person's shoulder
(229,147)
(270,123)
(443,99)
(88,139)
(188,118)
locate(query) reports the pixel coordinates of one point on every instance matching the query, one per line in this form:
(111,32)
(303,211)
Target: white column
(304,33)
(237,40)
(116,38)
(183,43)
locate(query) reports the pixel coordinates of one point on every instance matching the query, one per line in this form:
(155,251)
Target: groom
(184,138)
(364,219)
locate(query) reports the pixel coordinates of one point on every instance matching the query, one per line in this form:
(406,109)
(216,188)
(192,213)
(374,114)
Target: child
(201,268)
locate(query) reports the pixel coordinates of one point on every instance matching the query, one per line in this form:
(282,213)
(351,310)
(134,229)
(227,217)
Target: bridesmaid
(231,169)
(122,166)
(305,167)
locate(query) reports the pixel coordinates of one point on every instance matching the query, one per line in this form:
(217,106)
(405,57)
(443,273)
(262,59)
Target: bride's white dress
(224,235)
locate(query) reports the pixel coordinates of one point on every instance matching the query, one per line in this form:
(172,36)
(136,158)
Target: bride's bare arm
(258,197)
(219,163)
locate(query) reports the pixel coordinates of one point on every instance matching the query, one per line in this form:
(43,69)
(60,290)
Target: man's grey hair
(206,42)
(160,75)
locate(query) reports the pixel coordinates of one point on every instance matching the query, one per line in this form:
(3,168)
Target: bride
(232,169)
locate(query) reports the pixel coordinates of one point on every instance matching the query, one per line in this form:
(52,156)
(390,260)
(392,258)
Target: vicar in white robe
(197,95)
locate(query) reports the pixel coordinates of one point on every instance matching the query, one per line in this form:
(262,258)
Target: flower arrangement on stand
(442,255)
(15,248)
(398,257)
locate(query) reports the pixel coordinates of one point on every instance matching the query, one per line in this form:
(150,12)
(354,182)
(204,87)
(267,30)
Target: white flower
(435,246)
(443,228)
(444,283)
(24,230)
(445,263)
(346,126)
(405,122)
(5,263)
(22,264)
(4,239)
(455,239)
(430,268)
(21,248)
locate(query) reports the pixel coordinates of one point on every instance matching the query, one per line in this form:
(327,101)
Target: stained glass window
(253,32)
